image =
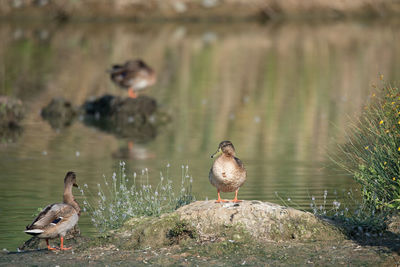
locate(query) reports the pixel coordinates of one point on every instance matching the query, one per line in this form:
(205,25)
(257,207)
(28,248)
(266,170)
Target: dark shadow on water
(10,134)
(143,133)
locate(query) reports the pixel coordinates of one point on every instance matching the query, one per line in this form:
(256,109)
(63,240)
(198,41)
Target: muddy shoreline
(332,253)
(171,240)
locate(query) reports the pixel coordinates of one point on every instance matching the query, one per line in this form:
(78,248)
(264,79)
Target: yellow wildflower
(385,163)
(394,178)
(393,103)
(381,122)
(368,147)
(387,131)
(398,149)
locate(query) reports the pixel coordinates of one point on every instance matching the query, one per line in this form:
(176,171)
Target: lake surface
(282,93)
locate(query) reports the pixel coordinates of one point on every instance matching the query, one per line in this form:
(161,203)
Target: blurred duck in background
(134,75)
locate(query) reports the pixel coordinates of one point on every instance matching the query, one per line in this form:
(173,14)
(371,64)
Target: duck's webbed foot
(219,200)
(48,246)
(236,200)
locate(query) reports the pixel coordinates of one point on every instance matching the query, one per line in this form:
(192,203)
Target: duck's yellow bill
(216,154)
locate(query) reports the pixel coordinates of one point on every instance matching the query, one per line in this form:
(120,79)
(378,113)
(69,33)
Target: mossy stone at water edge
(12,112)
(209,221)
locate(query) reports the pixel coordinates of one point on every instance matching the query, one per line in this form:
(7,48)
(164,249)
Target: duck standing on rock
(134,75)
(57,219)
(227,173)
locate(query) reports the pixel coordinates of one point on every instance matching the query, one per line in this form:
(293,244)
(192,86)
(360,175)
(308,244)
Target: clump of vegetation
(356,215)
(372,153)
(181,231)
(372,156)
(121,199)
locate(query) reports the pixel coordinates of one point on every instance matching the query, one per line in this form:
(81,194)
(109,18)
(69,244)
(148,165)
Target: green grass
(120,198)
(372,152)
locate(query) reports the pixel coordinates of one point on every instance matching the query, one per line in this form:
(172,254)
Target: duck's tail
(34,231)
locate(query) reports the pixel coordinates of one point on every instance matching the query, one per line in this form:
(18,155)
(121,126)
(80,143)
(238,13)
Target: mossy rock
(205,221)
(12,112)
(262,220)
(153,232)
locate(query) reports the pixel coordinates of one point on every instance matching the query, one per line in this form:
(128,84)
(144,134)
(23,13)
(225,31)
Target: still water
(283,94)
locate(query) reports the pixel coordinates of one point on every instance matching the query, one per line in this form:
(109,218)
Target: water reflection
(281,93)
(135,118)
(133,151)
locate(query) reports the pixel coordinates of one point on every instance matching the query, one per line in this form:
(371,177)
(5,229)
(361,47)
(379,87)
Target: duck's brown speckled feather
(51,213)
(227,173)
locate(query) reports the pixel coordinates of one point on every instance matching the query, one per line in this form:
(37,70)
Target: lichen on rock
(262,220)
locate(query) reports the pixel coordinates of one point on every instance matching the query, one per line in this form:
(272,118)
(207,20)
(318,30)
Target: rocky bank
(209,221)
(249,233)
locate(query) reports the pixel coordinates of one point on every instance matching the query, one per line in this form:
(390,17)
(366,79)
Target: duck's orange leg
(130,145)
(48,246)
(235,200)
(62,244)
(219,200)
(132,93)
